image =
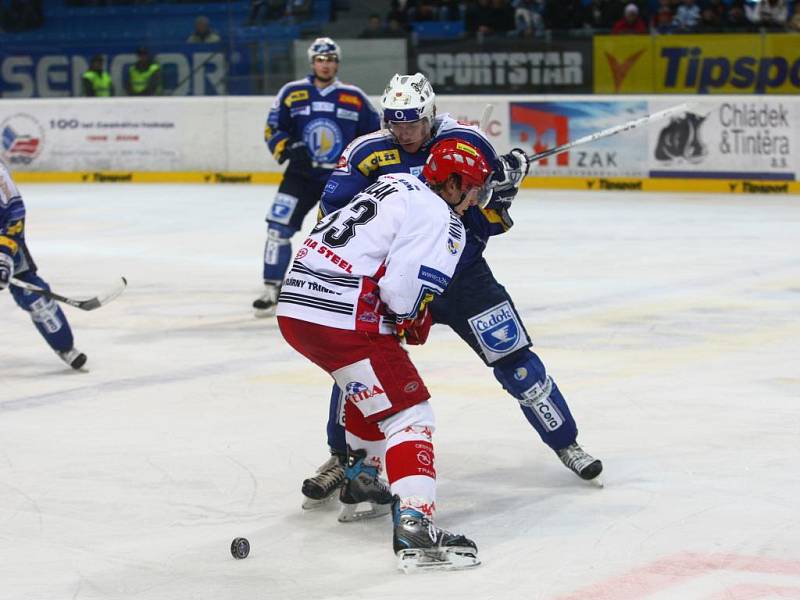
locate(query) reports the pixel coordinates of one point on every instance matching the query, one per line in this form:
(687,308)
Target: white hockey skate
(266,304)
(321,489)
(73,357)
(364,494)
(421,546)
(581,463)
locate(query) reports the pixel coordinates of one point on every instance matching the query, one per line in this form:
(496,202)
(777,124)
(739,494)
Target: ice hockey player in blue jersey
(310,123)
(475,305)
(16,262)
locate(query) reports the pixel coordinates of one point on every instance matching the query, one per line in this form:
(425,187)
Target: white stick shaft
(485,116)
(610,131)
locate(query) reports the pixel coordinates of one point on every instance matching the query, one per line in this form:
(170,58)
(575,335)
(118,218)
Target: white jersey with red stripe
(395,245)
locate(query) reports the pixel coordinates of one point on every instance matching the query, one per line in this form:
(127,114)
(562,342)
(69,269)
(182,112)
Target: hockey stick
(86,304)
(667,112)
(485,116)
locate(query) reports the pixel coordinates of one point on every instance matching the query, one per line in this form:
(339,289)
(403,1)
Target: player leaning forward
(311,121)
(16,261)
(362,281)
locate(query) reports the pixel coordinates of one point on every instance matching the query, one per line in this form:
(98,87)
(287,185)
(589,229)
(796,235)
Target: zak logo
(681,139)
(358,392)
(541,130)
(23,139)
(619,70)
(498,330)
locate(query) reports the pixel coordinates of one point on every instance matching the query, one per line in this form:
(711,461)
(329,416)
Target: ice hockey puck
(240,548)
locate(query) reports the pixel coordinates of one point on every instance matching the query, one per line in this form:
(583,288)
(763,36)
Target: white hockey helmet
(408,98)
(324,46)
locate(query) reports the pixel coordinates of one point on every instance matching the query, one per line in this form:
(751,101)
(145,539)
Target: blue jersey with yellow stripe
(326,120)
(376,154)
(12,217)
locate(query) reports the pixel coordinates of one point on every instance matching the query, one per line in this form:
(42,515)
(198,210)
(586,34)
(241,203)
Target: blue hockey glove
(6,270)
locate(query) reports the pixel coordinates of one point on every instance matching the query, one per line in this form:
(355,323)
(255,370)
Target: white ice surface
(669,322)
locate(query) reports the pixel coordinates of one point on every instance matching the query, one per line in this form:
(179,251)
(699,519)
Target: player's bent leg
(417,542)
(523,375)
(277,256)
(49,319)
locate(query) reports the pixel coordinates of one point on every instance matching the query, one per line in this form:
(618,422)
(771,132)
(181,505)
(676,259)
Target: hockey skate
(322,487)
(265,304)
(421,546)
(74,358)
(582,464)
(364,495)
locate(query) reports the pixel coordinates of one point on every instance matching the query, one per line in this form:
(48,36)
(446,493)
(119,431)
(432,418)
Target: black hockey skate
(265,304)
(421,546)
(74,358)
(364,494)
(579,462)
(322,487)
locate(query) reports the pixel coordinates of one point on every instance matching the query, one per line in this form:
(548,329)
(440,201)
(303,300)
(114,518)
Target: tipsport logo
(689,68)
(621,67)
(22,139)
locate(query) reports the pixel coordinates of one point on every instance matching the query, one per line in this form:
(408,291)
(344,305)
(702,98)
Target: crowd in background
(531,18)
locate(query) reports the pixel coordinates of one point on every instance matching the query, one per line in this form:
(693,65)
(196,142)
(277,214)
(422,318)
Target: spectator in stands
(661,22)
(395,28)
(272,9)
(422,10)
(713,17)
(451,10)
(144,76)
(770,14)
(687,17)
(794,22)
(528,18)
(203,34)
(297,10)
(374,28)
(598,15)
(630,23)
(97,81)
(737,20)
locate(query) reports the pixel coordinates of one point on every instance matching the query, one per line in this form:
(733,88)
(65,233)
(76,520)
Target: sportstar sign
(464,67)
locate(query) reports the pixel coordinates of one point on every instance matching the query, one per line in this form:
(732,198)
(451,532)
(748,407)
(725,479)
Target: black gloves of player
(6,270)
(297,152)
(509,174)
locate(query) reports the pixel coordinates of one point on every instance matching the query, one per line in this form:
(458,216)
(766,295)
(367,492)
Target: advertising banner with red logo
(537,126)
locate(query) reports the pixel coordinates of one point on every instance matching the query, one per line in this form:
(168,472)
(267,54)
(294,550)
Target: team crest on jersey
(324,138)
(499,331)
(452,246)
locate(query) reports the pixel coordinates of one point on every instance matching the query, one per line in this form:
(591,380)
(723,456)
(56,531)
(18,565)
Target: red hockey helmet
(456,156)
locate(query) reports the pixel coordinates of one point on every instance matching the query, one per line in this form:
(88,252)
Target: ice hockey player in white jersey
(360,284)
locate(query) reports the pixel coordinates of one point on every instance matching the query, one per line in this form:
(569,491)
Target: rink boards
(719,144)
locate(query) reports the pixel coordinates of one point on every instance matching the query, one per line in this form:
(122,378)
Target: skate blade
(596,482)
(456,558)
(363,510)
(314,504)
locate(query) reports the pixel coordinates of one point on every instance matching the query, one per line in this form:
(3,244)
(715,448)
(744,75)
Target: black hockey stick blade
(83,304)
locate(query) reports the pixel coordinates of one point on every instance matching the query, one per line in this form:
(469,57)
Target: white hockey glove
(6,270)
(508,176)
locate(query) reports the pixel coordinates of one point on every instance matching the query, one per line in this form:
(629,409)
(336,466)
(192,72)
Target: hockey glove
(415,331)
(297,153)
(509,174)
(6,270)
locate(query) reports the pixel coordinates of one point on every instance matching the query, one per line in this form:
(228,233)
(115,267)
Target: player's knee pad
(417,419)
(278,246)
